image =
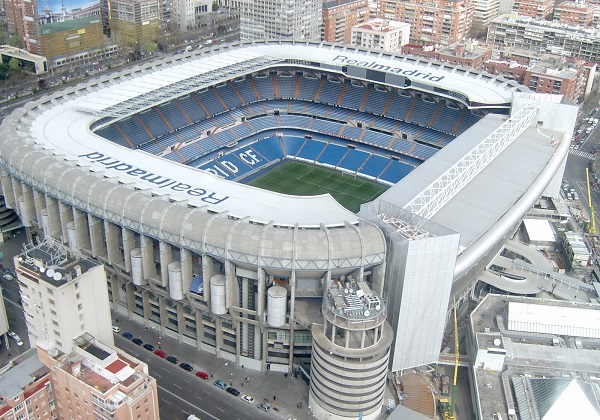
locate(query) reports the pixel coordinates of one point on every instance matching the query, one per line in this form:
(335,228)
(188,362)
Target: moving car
(202,375)
(15,337)
(233,391)
(127,335)
(221,384)
(137,341)
(172,359)
(160,353)
(248,399)
(149,347)
(116,329)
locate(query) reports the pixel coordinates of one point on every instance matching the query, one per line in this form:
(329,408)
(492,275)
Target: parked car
(202,375)
(116,329)
(160,353)
(172,359)
(233,391)
(137,341)
(221,384)
(248,399)
(149,347)
(15,337)
(186,367)
(8,277)
(263,406)
(127,335)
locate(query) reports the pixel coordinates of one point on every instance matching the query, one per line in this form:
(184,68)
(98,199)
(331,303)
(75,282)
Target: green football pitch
(298,178)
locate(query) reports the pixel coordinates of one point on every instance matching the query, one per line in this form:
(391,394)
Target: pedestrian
(242,384)
(285,374)
(274,397)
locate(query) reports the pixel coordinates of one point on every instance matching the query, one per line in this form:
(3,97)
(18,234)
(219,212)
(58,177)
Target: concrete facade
(381,34)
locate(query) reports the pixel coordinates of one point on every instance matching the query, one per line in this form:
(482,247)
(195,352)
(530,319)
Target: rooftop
(52,262)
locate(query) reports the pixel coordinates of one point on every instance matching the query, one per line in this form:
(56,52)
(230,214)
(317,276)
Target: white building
(381,34)
(277,19)
(485,11)
(186,12)
(63,296)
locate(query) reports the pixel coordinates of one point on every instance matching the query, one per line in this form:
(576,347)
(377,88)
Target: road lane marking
(189,403)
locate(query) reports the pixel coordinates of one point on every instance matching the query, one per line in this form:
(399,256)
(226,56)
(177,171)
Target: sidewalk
(287,390)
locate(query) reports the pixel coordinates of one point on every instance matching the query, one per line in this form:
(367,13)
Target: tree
(15,64)
(215,6)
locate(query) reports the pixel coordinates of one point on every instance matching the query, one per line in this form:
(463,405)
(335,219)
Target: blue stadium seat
(192,108)
(353,159)
(228,95)
(173,114)
(270,148)
(330,92)
(286,86)
(422,113)
(308,88)
(332,155)
(376,101)
(375,165)
(210,102)
(264,86)
(353,96)
(293,145)
(244,88)
(395,172)
(311,150)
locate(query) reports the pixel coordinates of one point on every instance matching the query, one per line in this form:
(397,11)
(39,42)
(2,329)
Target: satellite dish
(57,276)
(50,272)
(497,342)
(367,312)
(42,269)
(378,307)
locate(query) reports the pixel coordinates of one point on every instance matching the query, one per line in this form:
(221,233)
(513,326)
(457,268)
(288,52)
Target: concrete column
(116,291)
(243,326)
(65,212)
(97,236)
(7,190)
(81,229)
(166,258)
(149,266)
(39,201)
(207,273)
(129,290)
(257,339)
(378,278)
(218,336)
(17,191)
(292,314)
(230,285)
(199,329)
(128,245)
(27,206)
(180,322)
(53,216)
(113,250)
(186,268)
(260,301)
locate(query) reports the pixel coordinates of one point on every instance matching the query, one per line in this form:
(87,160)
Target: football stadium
(291,206)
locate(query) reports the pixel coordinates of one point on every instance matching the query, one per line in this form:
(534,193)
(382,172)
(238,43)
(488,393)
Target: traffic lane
(197,393)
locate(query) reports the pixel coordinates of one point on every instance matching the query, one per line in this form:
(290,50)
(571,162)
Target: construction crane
(591,224)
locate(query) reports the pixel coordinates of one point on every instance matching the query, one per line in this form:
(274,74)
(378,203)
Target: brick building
(537,9)
(574,13)
(468,54)
(442,22)
(339,16)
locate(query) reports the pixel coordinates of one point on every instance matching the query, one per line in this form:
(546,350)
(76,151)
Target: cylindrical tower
(217,294)
(137,272)
(350,353)
(175,280)
(277,305)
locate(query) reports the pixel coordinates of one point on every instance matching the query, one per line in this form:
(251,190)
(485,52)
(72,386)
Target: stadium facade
(112,166)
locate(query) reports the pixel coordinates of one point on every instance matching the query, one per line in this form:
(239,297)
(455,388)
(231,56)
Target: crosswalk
(581,153)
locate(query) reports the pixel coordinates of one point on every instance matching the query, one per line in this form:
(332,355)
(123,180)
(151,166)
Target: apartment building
(485,11)
(135,22)
(467,54)
(381,34)
(537,9)
(339,16)
(441,22)
(95,380)
(542,36)
(63,296)
(27,391)
(281,19)
(574,13)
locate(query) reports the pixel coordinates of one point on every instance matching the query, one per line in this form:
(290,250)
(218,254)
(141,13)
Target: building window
(79,307)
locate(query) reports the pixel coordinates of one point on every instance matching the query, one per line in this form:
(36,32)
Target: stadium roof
(242,58)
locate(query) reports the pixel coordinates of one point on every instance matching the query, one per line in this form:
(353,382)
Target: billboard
(65,14)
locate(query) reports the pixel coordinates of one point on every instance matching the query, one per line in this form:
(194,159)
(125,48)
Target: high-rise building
(485,11)
(281,19)
(339,16)
(63,295)
(135,22)
(537,9)
(381,34)
(574,13)
(53,30)
(438,22)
